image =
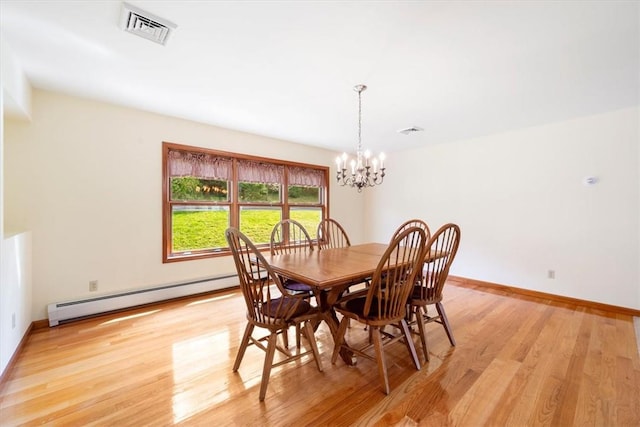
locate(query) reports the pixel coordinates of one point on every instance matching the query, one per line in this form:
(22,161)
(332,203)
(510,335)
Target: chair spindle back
(441,251)
(332,235)
(261,288)
(413,223)
(395,276)
(289,236)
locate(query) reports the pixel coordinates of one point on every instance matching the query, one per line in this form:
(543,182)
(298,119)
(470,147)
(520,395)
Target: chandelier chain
(360,121)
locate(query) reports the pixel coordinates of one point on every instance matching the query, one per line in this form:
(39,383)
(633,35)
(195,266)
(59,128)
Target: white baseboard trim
(72,310)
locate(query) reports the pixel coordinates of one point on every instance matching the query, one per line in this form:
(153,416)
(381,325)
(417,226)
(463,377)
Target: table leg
(326,301)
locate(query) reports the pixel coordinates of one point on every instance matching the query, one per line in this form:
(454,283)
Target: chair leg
(445,323)
(339,339)
(285,338)
(308,328)
(268,362)
(409,340)
(382,364)
(243,345)
(413,316)
(423,334)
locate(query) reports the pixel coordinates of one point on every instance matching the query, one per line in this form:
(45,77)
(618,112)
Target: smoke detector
(144,24)
(412,129)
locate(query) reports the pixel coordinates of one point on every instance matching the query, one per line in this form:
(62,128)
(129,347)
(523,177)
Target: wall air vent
(412,129)
(145,24)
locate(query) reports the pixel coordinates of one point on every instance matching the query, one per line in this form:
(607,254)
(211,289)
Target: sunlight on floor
(212,299)
(132,316)
(193,362)
(190,402)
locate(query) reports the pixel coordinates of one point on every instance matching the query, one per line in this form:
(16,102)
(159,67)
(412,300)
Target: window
(206,191)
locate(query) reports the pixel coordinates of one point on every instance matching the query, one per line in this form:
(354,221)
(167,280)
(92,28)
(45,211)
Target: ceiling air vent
(145,24)
(412,129)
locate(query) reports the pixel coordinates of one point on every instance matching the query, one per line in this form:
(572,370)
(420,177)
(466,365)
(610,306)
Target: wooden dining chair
(289,236)
(407,224)
(384,302)
(441,251)
(332,235)
(269,307)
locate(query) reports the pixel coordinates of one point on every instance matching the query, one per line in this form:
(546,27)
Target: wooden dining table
(330,272)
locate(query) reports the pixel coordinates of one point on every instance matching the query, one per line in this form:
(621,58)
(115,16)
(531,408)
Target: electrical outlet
(93,286)
(13,321)
(551,274)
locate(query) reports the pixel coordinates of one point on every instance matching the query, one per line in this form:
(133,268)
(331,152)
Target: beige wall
(85,178)
(520,200)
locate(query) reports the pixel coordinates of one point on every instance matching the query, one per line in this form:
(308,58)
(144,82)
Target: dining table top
(327,268)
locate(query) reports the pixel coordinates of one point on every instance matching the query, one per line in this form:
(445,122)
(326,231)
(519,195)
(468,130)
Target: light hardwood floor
(519,361)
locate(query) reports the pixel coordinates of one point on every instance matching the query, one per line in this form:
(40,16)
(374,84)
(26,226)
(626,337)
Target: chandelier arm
(378,179)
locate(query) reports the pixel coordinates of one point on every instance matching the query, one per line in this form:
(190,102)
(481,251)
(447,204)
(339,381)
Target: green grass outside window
(196,230)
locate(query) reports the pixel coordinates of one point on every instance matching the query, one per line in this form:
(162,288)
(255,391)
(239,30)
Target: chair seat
(418,298)
(356,306)
(293,285)
(271,307)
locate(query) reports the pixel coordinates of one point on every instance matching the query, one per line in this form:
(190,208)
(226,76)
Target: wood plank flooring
(519,361)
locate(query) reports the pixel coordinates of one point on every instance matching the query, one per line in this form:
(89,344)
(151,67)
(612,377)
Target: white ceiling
(286,69)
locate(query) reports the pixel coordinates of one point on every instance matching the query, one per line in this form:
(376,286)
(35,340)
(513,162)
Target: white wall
(520,201)
(15,294)
(15,250)
(85,177)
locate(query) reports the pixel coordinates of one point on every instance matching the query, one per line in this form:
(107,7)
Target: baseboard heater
(63,312)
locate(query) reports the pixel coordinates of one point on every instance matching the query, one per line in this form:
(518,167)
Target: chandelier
(365,171)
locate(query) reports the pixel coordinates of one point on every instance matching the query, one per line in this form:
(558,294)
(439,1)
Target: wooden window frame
(234,204)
